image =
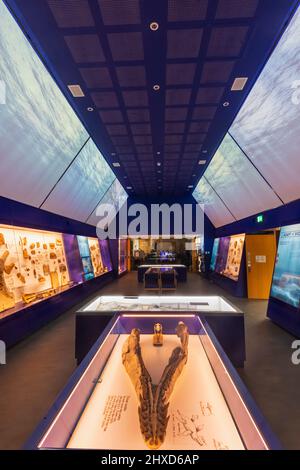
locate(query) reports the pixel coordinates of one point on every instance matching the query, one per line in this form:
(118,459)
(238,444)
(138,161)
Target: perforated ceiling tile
(120,139)
(236,9)
(116,129)
(175,114)
(126,46)
(71,13)
(124,149)
(196,138)
(120,12)
(142,139)
(138,115)
(199,127)
(96,77)
(135,98)
(178,96)
(111,116)
(131,76)
(173,138)
(174,127)
(172,148)
(192,147)
(187,10)
(217,71)
(140,129)
(180,74)
(184,43)
(127,158)
(204,112)
(85,48)
(144,149)
(209,95)
(227,41)
(105,99)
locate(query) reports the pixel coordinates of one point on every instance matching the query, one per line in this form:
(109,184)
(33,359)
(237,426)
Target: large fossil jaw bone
(154,399)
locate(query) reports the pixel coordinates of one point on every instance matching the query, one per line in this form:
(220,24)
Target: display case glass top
(206,407)
(160,303)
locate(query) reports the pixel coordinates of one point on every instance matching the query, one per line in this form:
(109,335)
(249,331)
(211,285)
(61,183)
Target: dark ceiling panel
(180,74)
(204,112)
(120,12)
(199,127)
(116,129)
(175,114)
(236,9)
(174,127)
(227,41)
(209,95)
(178,96)
(142,139)
(217,72)
(138,115)
(85,48)
(187,10)
(184,43)
(133,76)
(135,98)
(126,46)
(96,77)
(72,13)
(105,99)
(140,129)
(111,116)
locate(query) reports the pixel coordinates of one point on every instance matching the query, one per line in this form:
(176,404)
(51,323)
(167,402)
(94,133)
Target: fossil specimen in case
(154,399)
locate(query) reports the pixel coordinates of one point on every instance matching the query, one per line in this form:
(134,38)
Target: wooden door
(260,259)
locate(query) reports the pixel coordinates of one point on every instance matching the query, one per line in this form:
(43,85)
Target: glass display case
(35,265)
(227,256)
(204,404)
(118,303)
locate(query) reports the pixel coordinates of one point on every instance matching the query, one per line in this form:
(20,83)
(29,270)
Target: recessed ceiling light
(113,154)
(90,109)
(158,171)
(156,87)
(201,162)
(128,187)
(193,175)
(225,104)
(125,177)
(158,163)
(116,164)
(154,26)
(76,91)
(158,153)
(239,83)
(204,151)
(190,186)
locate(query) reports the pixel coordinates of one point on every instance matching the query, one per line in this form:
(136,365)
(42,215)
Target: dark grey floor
(38,368)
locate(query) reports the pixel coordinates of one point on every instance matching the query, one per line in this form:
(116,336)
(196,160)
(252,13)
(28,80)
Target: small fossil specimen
(154,399)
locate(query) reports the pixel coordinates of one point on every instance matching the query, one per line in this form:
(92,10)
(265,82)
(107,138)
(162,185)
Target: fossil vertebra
(154,399)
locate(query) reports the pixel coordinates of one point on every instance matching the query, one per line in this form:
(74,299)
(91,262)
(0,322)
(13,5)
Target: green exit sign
(260,219)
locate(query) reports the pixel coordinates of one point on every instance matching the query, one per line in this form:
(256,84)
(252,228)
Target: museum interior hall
(149,218)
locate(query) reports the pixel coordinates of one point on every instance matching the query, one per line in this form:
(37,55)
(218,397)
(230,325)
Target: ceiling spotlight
(116,164)
(156,87)
(90,109)
(128,187)
(239,83)
(190,186)
(225,104)
(154,26)
(157,153)
(76,91)
(201,162)
(204,151)
(158,163)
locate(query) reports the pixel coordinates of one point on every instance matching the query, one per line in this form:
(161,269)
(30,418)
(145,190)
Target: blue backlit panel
(116,196)
(267,127)
(214,208)
(82,186)
(40,133)
(237,181)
